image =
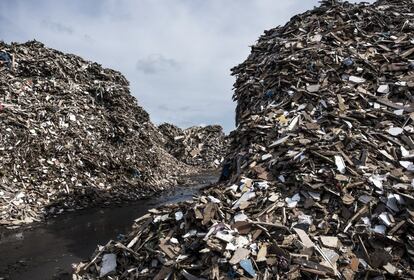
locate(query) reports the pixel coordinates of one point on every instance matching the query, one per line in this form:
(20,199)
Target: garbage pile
(321,178)
(201,146)
(72,136)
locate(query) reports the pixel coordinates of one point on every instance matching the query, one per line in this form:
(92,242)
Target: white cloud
(177,54)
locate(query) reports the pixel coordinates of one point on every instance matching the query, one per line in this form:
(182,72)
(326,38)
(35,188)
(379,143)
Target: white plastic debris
(356,80)
(379,229)
(340,164)
(329,241)
(404,151)
(245,197)
(395,131)
(385,219)
(179,215)
(108,264)
(399,112)
(315,195)
(305,219)
(279,141)
(225,235)
(293,123)
(316,38)
(407,165)
(292,201)
(174,240)
(366,221)
(213,199)
(313,88)
(392,202)
(190,233)
(241,241)
(266,157)
(72,117)
(161,218)
(233,188)
(230,246)
(262,185)
(377,180)
(239,217)
(383,89)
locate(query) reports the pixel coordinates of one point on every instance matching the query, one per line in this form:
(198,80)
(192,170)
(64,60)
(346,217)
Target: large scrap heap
(321,163)
(201,146)
(71,135)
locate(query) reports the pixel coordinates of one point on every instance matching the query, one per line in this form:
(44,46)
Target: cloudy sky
(177,54)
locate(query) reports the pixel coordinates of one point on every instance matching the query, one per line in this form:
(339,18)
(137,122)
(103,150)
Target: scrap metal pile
(201,146)
(71,136)
(321,164)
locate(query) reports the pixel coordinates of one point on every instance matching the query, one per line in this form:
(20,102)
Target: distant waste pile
(72,135)
(321,163)
(201,146)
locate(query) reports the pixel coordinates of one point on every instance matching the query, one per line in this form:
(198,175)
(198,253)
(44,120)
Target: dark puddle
(47,250)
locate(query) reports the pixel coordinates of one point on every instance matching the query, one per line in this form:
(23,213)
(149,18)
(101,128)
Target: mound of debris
(71,136)
(201,146)
(322,163)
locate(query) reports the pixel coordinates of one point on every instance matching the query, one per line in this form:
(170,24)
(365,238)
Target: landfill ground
(319,177)
(73,136)
(316,182)
(45,251)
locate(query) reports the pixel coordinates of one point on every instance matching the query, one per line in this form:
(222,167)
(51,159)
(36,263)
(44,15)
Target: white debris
(262,185)
(108,264)
(266,157)
(239,217)
(395,131)
(399,112)
(385,219)
(293,123)
(72,117)
(329,241)
(305,219)
(340,164)
(313,88)
(292,201)
(404,151)
(213,199)
(316,38)
(366,221)
(226,236)
(279,141)
(230,246)
(383,89)
(379,229)
(356,80)
(190,233)
(392,202)
(245,197)
(179,215)
(315,195)
(407,165)
(377,180)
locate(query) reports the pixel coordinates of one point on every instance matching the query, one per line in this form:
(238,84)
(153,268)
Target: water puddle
(47,250)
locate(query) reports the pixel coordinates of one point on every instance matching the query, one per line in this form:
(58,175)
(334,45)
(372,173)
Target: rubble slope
(201,146)
(72,135)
